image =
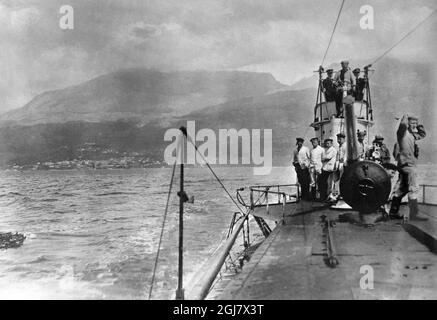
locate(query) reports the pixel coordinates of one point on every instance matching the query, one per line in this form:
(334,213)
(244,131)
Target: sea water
(93,234)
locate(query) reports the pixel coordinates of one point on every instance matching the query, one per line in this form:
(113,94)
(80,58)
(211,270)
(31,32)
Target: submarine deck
(290,263)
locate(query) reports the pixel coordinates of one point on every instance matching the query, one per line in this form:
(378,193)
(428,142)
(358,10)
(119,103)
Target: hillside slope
(140,94)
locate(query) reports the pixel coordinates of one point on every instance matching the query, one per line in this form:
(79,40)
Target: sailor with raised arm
(408,133)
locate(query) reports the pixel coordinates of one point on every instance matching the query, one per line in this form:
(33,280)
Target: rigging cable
(214,174)
(333,31)
(404,37)
(162,230)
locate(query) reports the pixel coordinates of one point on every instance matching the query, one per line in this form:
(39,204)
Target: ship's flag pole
(182,199)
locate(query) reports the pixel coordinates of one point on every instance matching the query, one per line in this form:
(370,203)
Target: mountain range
(141,94)
(130,110)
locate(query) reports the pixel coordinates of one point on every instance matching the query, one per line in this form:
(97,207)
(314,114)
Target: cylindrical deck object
(364,185)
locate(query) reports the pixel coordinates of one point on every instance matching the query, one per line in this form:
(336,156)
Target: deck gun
(365,185)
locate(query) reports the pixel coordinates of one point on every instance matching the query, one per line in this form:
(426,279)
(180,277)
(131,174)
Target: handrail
(424,186)
(318,112)
(274,185)
(268,191)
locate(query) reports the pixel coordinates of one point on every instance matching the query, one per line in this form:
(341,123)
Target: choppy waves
(94,235)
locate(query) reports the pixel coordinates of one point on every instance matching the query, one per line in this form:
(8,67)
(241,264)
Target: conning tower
(327,125)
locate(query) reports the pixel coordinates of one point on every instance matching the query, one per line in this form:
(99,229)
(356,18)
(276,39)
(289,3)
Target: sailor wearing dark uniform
(301,163)
(328,159)
(379,151)
(345,82)
(408,133)
(360,85)
(328,86)
(361,145)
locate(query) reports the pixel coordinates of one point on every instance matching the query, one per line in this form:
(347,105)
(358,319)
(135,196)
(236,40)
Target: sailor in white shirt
(301,163)
(328,159)
(315,164)
(339,166)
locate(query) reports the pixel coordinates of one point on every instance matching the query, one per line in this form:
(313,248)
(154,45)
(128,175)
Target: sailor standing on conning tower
(328,86)
(343,78)
(360,85)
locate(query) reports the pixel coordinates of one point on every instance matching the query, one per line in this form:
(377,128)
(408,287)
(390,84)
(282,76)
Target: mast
(182,199)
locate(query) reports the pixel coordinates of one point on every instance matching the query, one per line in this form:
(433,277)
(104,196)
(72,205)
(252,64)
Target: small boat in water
(11,240)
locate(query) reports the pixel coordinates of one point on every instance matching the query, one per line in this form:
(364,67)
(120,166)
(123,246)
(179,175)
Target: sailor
(345,81)
(328,87)
(360,85)
(362,147)
(328,161)
(339,166)
(341,155)
(315,165)
(301,163)
(379,151)
(408,133)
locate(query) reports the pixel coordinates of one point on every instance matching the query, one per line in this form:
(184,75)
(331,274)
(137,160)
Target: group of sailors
(344,82)
(319,170)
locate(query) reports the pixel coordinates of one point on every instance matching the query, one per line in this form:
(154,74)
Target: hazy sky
(285,38)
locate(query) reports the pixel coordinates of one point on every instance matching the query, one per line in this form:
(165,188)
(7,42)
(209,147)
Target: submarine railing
(325,110)
(266,190)
(424,193)
(279,194)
